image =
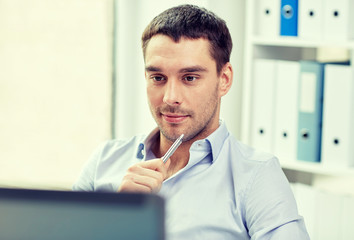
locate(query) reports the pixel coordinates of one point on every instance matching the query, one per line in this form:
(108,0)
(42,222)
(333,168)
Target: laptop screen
(42,214)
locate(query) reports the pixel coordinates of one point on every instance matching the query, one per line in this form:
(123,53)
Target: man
(215,187)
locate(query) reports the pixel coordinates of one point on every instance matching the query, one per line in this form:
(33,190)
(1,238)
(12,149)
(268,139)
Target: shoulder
(247,157)
(251,154)
(257,169)
(107,161)
(108,153)
(238,152)
(119,146)
(267,200)
(254,170)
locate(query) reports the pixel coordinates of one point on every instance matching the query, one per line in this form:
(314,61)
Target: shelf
(296,42)
(286,48)
(317,168)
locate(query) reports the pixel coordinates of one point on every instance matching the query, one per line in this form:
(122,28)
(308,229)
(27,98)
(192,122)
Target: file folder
(333,54)
(310,111)
(286,110)
(307,200)
(310,20)
(347,218)
(289,17)
(263,104)
(338,116)
(267,18)
(329,209)
(338,19)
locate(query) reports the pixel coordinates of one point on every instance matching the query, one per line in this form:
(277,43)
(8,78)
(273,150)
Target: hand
(145,177)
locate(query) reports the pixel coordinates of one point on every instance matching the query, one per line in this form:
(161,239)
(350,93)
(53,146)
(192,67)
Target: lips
(174,118)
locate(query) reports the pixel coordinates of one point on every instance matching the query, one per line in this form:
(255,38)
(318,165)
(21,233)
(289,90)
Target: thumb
(167,165)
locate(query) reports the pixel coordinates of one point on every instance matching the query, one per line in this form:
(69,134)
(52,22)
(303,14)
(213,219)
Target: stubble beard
(198,129)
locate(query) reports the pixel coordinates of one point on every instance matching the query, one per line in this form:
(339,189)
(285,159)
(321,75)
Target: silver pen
(173,148)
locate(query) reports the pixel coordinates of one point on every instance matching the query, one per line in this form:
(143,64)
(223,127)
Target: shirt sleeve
(270,206)
(86,179)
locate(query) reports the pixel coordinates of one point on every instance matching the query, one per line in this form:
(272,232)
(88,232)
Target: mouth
(174,118)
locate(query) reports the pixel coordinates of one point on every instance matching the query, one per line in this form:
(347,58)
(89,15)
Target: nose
(173,93)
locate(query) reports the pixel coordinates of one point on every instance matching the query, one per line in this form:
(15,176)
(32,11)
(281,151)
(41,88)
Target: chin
(171,136)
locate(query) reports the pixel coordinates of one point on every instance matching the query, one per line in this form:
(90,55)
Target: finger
(140,183)
(142,170)
(152,164)
(156,165)
(153,184)
(141,177)
(166,165)
(130,186)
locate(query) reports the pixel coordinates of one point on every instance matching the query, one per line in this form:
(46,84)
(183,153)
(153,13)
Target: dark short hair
(192,22)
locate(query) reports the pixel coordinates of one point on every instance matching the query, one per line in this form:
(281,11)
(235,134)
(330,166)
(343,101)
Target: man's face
(182,87)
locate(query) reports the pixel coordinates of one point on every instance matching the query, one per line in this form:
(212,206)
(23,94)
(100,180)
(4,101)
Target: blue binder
(289,17)
(310,111)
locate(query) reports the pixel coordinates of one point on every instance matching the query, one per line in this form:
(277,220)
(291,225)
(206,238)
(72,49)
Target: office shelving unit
(283,48)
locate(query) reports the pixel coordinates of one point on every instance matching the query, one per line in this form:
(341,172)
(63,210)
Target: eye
(190,78)
(158,78)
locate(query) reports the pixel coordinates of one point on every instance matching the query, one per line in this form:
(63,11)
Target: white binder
(328,217)
(338,116)
(267,17)
(307,200)
(286,110)
(347,220)
(338,19)
(311,19)
(263,104)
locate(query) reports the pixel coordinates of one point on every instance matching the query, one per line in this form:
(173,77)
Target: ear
(226,77)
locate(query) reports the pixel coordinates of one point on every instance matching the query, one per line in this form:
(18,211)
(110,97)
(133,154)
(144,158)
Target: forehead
(163,47)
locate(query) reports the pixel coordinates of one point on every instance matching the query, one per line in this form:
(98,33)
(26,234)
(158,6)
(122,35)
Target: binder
(286,110)
(263,104)
(311,19)
(328,217)
(307,200)
(310,111)
(332,54)
(338,19)
(289,17)
(338,116)
(347,219)
(267,18)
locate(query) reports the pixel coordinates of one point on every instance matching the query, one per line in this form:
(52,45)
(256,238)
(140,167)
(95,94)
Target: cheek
(154,97)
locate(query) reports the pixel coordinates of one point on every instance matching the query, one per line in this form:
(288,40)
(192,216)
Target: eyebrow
(190,69)
(152,69)
(193,69)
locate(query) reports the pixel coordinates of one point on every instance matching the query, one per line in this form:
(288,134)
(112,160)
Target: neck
(180,157)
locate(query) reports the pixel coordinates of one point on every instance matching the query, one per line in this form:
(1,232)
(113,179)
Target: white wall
(233,12)
(55,88)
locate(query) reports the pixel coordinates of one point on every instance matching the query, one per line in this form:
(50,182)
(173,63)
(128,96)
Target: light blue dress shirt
(226,191)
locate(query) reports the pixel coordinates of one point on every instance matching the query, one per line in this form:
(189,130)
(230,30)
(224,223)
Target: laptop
(57,215)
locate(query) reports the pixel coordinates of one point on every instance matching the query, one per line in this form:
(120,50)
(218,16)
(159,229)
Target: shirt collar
(215,140)
(145,145)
